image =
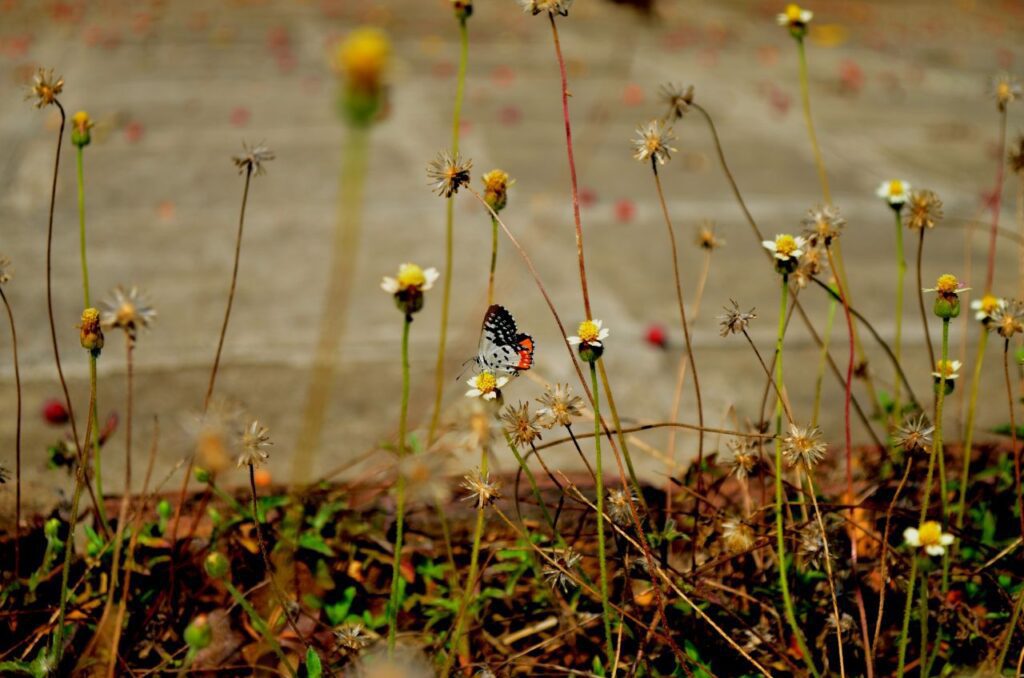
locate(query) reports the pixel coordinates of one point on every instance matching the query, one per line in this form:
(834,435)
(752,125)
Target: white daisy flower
(590,333)
(485,385)
(949,369)
(986,307)
(786,247)
(894,191)
(928,536)
(794,15)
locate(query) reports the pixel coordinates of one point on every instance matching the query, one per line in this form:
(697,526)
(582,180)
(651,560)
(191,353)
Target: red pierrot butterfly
(503,349)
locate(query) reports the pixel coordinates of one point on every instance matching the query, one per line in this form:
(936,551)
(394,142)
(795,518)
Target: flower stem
(920,304)
(997,201)
(823,363)
(532,480)
(1013,433)
(17,438)
(780,532)
(905,632)
(396,568)
(261,625)
(969,434)
(937,439)
(602,561)
(805,97)
(828,570)
(494,261)
(901,271)
(439,378)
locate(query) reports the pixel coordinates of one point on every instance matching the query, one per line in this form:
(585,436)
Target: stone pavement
(899,90)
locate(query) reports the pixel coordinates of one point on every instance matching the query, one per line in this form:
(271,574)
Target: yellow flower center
(410,275)
(793,12)
(495,180)
(486,382)
(945,367)
(125,314)
(1003,90)
(947,284)
(785,244)
(363,55)
(81,121)
(895,187)
(588,331)
(930,533)
(989,304)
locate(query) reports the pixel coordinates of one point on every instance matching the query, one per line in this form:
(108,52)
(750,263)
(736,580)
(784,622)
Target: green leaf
(337,612)
(313,667)
(314,542)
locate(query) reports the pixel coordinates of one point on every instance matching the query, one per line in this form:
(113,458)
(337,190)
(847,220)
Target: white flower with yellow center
(947,369)
(589,333)
(786,247)
(485,385)
(794,15)
(895,192)
(410,276)
(987,306)
(928,536)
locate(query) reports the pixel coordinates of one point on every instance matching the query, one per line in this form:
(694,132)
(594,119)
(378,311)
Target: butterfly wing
(502,349)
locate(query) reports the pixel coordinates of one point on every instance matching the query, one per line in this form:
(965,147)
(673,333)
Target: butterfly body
(503,349)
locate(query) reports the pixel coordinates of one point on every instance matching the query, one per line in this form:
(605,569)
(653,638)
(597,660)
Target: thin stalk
(231,291)
(439,378)
(905,629)
(937,436)
(602,559)
(336,301)
(965,470)
(1020,233)
(828,571)
(474,568)
(616,423)
(997,201)
(261,625)
(883,558)
(689,343)
(494,261)
(1010,628)
(823,363)
(403,417)
(920,304)
(805,98)
(780,530)
(17,437)
(86,297)
(532,480)
(572,166)
(901,271)
(1013,432)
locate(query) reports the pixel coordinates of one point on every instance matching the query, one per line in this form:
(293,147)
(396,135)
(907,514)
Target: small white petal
(946,539)
(473,393)
(911,536)
(768,245)
(491,395)
(389,285)
(935,550)
(501,381)
(574,341)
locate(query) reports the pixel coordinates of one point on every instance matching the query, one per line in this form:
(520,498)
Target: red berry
(656,336)
(54,412)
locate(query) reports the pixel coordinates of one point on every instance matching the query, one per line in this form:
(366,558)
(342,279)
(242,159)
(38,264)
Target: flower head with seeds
(677,99)
(253,445)
(552,7)
(743,461)
(812,548)
(735,321)
(737,536)
(928,536)
(559,406)
(127,310)
(559,573)
(45,87)
(947,369)
(448,173)
(795,18)
(803,446)
(252,158)
(5,269)
(90,331)
(5,474)
(619,506)
(1008,319)
(652,142)
(352,637)
(823,224)
(986,307)
(915,435)
(947,300)
(481,490)
(810,265)
(1005,89)
(923,209)
(706,238)
(496,185)
(409,285)
(520,425)
(589,339)
(485,385)
(895,192)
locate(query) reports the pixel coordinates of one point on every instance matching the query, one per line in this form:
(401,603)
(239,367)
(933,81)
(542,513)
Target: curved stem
(460,88)
(17,437)
(920,304)
(901,271)
(396,568)
(260,625)
(602,560)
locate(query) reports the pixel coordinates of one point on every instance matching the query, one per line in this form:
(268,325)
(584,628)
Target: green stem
(602,561)
(911,580)
(533,485)
(494,260)
(439,378)
(261,625)
(780,529)
(403,417)
(969,435)
(1014,618)
(825,341)
(937,440)
(901,271)
(805,97)
(81,227)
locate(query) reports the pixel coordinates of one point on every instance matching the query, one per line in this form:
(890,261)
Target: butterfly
(503,349)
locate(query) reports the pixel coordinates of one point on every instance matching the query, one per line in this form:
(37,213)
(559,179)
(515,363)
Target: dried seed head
(45,88)
(1008,319)
(448,173)
(652,142)
(915,435)
(706,238)
(620,503)
(252,159)
(559,406)
(812,548)
(127,310)
(1005,89)
(253,443)
(352,637)
(482,492)
(803,446)
(737,536)
(922,210)
(744,460)
(559,573)
(735,321)
(677,99)
(823,224)
(535,7)
(520,425)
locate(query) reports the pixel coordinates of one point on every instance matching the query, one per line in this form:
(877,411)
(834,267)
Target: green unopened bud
(199,634)
(51,529)
(80,126)
(202,475)
(216,565)
(591,352)
(947,306)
